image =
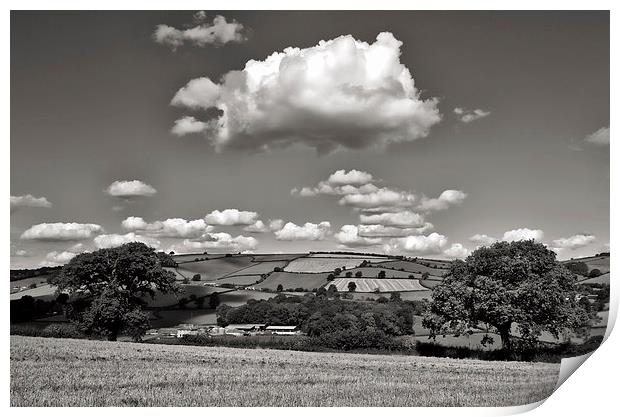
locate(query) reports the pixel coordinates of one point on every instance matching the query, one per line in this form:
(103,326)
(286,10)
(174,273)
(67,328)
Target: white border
(593,388)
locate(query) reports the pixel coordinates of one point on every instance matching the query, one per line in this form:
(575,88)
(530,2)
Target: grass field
(68,372)
(316,264)
(601,279)
(411,267)
(44,292)
(384,284)
(239,280)
(293,280)
(215,268)
(260,268)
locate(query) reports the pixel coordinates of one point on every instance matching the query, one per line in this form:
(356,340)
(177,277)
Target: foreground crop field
(68,372)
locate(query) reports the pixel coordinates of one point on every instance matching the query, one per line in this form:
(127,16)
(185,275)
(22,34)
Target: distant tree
(331,277)
(411,276)
(214,300)
(185,280)
(351,286)
(321,292)
(171,252)
(358,274)
(277,269)
(337,271)
(395,296)
(32,285)
(595,273)
(381,274)
(166,260)
(183,303)
(518,283)
(196,277)
(279,288)
(116,278)
(349,274)
(425,275)
(332,290)
(580,268)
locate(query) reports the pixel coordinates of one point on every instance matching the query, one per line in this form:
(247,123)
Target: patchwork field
(259,268)
(361,257)
(129,374)
(384,285)
(316,264)
(293,280)
(277,257)
(216,268)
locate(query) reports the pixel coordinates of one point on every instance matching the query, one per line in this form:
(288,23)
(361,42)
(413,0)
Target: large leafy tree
(507,284)
(114,282)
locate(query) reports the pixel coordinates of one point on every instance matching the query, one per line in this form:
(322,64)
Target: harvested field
(384,285)
(293,280)
(130,374)
(372,272)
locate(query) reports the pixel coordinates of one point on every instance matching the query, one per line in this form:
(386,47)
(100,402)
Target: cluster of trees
(28,308)
(332,322)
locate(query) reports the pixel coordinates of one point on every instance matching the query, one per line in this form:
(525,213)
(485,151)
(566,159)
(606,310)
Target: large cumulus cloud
(217,242)
(341,93)
(28,200)
(418,245)
(231,217)
(349,236)
(130,189)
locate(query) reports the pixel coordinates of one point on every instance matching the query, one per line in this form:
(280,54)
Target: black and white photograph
(306,208)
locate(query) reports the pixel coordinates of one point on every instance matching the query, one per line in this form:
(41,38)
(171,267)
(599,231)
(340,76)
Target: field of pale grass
(68,372)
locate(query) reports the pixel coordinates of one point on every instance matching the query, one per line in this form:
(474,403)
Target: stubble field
(68,372)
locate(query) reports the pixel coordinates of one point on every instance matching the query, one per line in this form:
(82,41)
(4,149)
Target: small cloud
(468,116)
(219,242)
(28,200)
(379,230)
(599,138)
(309,231)
(399,219)
(219,32)
(276,224)
(483,240)
(187,125)
(574,242)
(130,189)
(420,245)
(383,197)
(523,234)
(446,199)
(57,258)
(55,232)
(114,240)
(456,251)
(349,236)
(174,228)
(231,217)
(257,227)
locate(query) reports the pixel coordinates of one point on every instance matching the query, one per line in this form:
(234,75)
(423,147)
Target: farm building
(283,330)
(244,329)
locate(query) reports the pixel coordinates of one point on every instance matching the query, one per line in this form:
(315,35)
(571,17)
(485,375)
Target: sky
(412,133)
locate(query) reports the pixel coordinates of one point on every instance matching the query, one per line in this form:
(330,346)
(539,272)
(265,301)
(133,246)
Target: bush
(595,273)
(196,277)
